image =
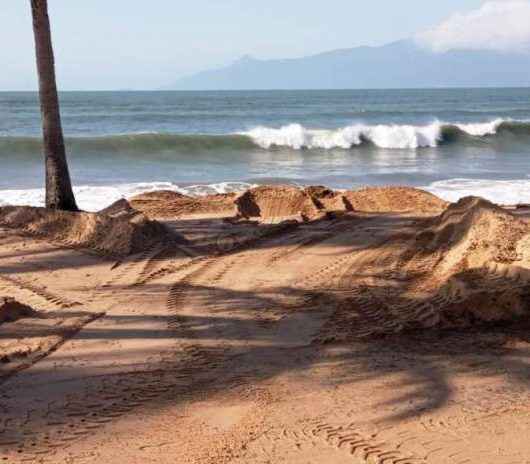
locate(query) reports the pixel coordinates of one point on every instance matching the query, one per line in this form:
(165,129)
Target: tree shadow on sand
(249,338)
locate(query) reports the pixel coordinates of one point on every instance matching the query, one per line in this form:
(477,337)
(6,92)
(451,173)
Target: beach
(304,247)
(272,324)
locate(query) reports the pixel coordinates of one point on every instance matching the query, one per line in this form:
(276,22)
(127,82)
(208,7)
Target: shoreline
(93,198)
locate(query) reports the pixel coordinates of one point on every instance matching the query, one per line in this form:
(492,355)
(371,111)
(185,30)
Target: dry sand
(278,326)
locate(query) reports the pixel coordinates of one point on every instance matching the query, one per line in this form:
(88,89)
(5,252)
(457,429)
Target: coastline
(505,192)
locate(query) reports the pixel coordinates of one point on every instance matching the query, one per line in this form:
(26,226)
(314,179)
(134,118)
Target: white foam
(297,136)
(94,198)
(481,129)
(390,136)
(503,192)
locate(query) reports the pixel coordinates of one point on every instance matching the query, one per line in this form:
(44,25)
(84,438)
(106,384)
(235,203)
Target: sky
(134,44)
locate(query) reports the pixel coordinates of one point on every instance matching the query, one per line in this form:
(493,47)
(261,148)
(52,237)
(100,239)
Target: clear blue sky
(138,44)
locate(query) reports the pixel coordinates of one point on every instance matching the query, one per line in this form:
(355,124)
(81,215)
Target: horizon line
(492,87)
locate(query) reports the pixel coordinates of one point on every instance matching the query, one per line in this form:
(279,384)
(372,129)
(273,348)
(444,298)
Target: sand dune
(394,200)
(282,325)
(119,234)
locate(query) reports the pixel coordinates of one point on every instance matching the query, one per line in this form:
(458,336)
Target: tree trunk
(59,194)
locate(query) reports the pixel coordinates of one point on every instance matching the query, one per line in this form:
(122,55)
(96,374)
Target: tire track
(149,275)
(362,447)
(129,270)
(33,295)
(37,437)
(58,324)
(40,434)
(303,243)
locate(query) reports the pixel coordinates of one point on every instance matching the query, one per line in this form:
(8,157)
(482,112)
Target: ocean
(453,143)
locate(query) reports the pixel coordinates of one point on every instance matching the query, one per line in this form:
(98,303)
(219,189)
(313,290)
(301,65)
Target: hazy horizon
(157,46)
(366,89)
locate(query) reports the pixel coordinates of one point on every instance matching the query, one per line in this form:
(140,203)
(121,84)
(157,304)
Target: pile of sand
(11,310)
(165,204)
(473,233)
(287,202)
(275,203)
(467,267)
(481,262)
(328,200)
(120,209)
(115,235)
(392,200)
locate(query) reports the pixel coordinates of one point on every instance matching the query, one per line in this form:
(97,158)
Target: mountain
(402,64)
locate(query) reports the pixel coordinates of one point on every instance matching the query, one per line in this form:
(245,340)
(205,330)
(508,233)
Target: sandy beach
(280,325)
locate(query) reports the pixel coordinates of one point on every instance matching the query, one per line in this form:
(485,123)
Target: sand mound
(271,203)
(467,267)
(120,235)
(481,259)
(327,199)
(161,204)
(393,199)
(473,233)
(222,203)
(276,203)
(120,208)
(11,310)
(170,205)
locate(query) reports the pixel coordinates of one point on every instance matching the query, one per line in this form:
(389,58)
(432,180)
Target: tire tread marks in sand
(129,270)
(60,328)
(382,315)
(35,438)
(177,292)
(301,244)
(111,397)
(169,267)
(361,446)
(35,296)
(368,449)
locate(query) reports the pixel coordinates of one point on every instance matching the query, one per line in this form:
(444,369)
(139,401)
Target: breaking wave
(383,136)
(293,136)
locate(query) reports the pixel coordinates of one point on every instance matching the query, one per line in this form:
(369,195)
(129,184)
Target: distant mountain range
(402,64)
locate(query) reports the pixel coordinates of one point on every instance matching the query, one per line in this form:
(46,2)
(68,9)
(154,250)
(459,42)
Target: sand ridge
(274,203)
(118,234)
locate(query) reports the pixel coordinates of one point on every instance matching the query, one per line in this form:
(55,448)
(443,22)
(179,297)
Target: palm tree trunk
(59,194)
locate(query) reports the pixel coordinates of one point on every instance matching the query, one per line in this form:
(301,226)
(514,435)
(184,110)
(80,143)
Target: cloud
(502,25)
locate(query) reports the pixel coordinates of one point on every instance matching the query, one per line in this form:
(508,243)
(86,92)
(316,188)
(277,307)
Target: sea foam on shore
(94,198)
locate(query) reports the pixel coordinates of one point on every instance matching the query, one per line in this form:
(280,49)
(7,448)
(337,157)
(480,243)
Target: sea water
(453,143)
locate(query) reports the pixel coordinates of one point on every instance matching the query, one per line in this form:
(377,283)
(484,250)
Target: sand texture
(281,325)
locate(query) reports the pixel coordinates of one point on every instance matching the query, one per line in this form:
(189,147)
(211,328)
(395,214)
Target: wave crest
(384,136)
(292,136)
(392,136)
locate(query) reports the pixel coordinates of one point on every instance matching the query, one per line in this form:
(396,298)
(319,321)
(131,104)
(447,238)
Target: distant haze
(403,64)
(123,44)
(485,47)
